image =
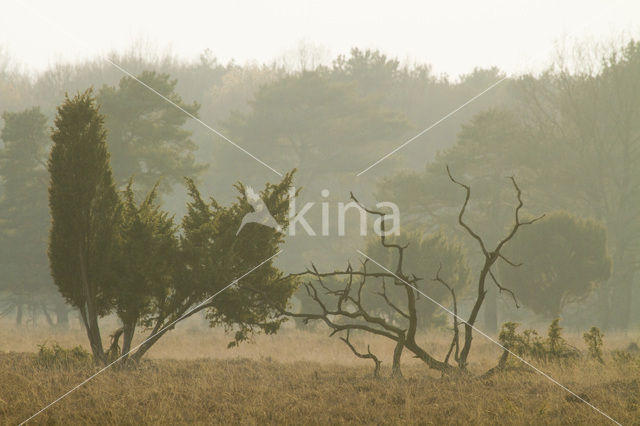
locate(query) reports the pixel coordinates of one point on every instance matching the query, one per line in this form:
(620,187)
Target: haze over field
(320,213)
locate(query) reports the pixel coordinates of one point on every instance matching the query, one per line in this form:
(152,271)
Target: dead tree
(340,305)
(491,256)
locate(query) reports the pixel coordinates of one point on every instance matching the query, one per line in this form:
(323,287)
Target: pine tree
(84,209)
(23,210)
(146,134)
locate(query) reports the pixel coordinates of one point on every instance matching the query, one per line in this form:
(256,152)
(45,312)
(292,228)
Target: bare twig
(386,299)
(368,355)
(501,288)
(455,341)
(515,265)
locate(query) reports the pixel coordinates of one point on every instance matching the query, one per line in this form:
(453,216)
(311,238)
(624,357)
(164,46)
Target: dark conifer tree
(84,209)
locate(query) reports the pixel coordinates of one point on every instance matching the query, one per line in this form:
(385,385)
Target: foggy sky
(454,36)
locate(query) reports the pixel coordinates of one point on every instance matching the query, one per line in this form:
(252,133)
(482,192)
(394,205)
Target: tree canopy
(146,134)
(84,209)
(564,258)
(24,216)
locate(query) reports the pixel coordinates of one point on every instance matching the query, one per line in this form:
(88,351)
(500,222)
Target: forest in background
(570,136)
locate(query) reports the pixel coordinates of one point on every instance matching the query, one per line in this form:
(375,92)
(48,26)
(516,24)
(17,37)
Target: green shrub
(54,355)
(625,358)
(593,339)
(531,345)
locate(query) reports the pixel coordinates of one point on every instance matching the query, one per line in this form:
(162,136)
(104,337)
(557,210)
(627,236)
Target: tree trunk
(602,305)
(127,338)
(90,315)
(490,307)
(621,302)
(139,353)
(397,354)
(468,325)
(46,315)
(160,329)
(62,315)
(491,312)
(95,340)
(34,315)
(19,314)
(621,280)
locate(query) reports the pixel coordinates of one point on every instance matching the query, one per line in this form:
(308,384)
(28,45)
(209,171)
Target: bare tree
(490,258)
(339,302)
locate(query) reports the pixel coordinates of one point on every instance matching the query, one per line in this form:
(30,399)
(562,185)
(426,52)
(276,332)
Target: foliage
(146,260)
(372,70)
(170,275)
(310,121)
(563,259)
(24,217)
(214,256)
(586,124)
(625,358)
(146,133)
(530,344)
(111,254)
(488,149)
(84,210)
(54,355)
(593,339)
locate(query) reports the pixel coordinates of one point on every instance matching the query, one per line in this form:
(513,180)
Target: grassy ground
(300,378)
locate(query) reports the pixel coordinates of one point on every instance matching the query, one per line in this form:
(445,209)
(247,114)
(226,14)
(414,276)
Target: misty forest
(220,243)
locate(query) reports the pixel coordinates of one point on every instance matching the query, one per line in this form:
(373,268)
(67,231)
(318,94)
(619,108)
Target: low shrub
(54,355)
(529,344)
(593,339)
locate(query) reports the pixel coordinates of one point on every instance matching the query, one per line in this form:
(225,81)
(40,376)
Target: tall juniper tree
(84,207)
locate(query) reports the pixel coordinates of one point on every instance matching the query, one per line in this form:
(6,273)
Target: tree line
(570,136)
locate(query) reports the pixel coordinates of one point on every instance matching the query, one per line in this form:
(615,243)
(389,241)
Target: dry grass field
(301,377)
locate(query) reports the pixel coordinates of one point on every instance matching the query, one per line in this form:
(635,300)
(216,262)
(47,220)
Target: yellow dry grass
(300,377)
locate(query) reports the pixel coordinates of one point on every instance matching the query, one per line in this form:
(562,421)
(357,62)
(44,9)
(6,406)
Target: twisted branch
(368,355)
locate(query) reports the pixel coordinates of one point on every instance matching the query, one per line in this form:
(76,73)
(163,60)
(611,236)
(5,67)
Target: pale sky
(453,36)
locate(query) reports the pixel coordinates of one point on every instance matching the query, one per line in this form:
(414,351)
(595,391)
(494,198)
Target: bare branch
(517,223)
(389,302)
(515,265)
(368,355)
(501,288)
(455,341)
(490,258)
(461,221)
